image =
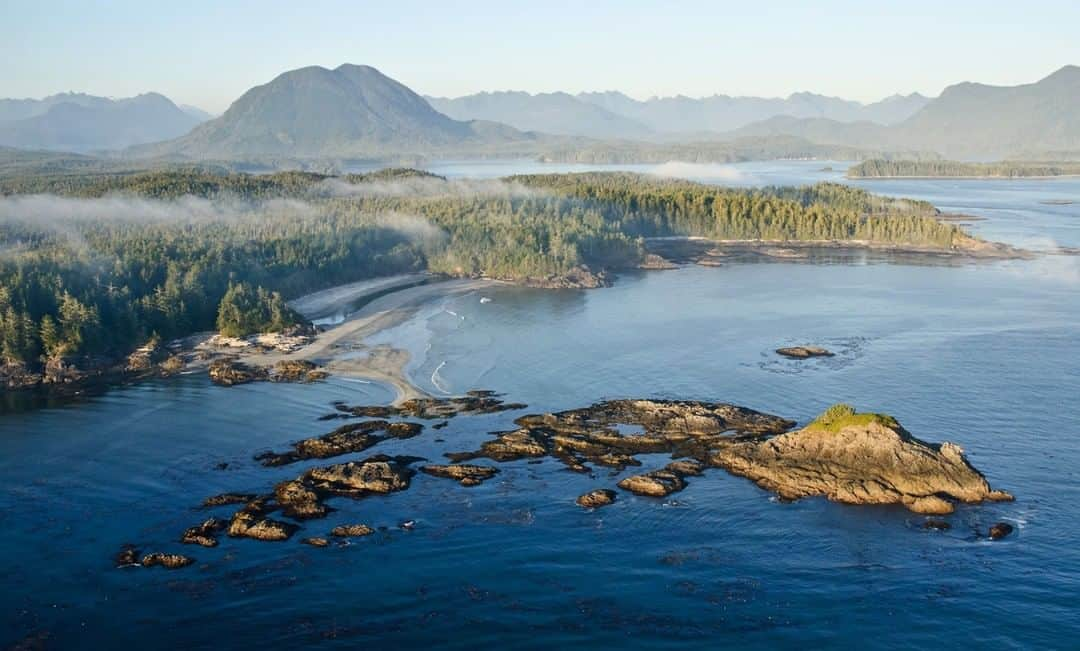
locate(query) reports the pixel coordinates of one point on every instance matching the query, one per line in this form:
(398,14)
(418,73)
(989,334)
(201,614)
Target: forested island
(710,150)
(879,168)
(95,265)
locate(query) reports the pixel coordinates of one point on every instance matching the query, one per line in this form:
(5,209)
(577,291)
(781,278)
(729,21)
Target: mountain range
(968,121)
(612,114)
(81,123)
(355,111)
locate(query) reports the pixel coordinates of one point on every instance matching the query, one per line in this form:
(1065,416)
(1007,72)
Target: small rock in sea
(316,542)
(936,525)
(440,424)
(663,482)
(803,352)
(465,474)
(596,498)
(1000,530)
(128,556)
(168,561)
(249,524)
(408,525)
(224,465)
(350,530)
(228,498)
(203,534)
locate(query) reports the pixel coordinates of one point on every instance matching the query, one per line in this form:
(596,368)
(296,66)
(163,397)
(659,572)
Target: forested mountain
(556,113)
(119,258)
(968,121)
(721,113)
(80,123)
(315,112)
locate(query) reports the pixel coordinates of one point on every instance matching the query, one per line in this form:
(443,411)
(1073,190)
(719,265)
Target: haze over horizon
(853,51)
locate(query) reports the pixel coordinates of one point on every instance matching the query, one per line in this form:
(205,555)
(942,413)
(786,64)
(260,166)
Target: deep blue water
(980,354)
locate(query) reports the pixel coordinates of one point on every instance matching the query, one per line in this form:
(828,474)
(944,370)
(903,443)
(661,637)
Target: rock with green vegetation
(860,458)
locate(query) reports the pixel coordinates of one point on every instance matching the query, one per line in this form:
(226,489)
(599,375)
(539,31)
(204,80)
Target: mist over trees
(106,262)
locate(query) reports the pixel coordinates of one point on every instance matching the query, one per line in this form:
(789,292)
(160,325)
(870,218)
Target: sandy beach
(342,350)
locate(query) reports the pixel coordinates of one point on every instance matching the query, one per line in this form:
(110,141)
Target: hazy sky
(208,53)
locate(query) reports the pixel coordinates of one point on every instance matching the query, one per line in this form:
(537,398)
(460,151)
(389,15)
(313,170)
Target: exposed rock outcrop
(351,531)
(316,542)
(246,524)
(464,474)
(592,434)
(859,459)
(472,403)
(661,483)
(203,534)
(296,370)
(580,277)
(354,437)
(804,352)
(1000,530)
(596,498)
(228,498)
(128,556)
(229,372)
(379,474)
(168,561)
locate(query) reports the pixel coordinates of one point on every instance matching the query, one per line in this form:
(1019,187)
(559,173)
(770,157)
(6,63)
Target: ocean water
(983,355)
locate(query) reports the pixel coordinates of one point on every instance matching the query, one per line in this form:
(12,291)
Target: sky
(208,53)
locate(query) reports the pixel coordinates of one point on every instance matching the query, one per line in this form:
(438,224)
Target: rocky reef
(580,277)
(859,459)
(471,404)
(354,437)
(230,371)
(592,434)
(844,456)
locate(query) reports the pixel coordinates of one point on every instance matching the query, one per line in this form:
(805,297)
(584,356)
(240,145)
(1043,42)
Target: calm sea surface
(984,355)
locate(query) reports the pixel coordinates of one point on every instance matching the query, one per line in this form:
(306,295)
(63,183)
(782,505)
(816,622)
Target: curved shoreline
(331,349)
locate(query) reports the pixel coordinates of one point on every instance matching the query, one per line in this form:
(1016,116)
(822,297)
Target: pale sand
(329,302)
(381,363)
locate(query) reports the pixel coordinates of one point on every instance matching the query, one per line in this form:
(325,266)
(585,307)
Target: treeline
(748,148)
(930,168)
(86,284)
(827,211)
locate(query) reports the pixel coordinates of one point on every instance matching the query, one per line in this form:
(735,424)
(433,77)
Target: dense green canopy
(103,262)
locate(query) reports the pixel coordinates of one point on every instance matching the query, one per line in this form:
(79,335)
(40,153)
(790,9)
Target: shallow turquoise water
(983,355)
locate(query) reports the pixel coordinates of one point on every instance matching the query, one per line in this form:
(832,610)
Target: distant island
(906,169)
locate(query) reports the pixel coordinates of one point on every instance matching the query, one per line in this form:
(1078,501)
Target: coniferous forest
(98,264)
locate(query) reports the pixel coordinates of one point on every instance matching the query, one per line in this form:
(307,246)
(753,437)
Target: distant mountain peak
(352,110)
